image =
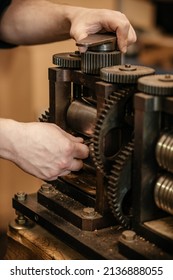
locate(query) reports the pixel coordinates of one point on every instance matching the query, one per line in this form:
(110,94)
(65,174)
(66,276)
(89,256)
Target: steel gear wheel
(119,186)
(68,60)
(111,130)
(124,74)
(158,85)
(92,62)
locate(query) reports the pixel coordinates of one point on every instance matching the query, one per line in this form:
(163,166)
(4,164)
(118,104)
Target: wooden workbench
(37,243)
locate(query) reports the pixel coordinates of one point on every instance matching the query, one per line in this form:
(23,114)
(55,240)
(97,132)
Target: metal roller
(164,151)
(81,117)
(163,193)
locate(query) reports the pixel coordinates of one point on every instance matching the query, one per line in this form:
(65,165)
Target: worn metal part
(81,117)
(159,85)
(109,135)
(108,243)
(93,61)
(164,151)
(68,60)
(139,248)
(163,193)
(120,185)
(22,196)
(94,40)
(125,74)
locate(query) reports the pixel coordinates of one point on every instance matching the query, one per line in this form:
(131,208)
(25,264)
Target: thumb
(78,35)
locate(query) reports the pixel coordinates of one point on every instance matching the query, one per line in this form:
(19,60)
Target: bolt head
(46,188)
(21,196)
(129,235)
(88,212)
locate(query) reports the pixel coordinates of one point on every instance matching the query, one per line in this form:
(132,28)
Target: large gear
(111,126)
(124,74)
(119,186)
(158,85)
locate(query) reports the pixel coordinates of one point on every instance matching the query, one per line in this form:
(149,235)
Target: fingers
(70,136)
(81,151)
(76,165)
(125,36)
(72,164)
(94,21)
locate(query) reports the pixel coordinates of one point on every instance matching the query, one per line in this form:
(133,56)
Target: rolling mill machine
(120,205)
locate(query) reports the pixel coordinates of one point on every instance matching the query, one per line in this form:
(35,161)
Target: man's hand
(37,22)
(91,21)
(41,149)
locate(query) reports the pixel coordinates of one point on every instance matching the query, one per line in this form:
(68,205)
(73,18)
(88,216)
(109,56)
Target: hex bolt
(21,196)
(88,212)
(128,235)
(46,188)
(21,220)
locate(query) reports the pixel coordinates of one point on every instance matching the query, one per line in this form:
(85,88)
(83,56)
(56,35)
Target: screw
(21,196)
(128,235)
(88,212)
(21,220)
(46,188)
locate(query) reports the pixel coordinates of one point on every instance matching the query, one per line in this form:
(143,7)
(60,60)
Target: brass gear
(111,126)
(158,85)
(119,186)
(124,74)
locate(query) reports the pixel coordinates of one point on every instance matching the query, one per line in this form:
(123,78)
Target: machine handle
(96,40)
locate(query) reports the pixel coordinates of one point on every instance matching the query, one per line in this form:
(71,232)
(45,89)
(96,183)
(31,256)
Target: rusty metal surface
(98,244)
(109,113)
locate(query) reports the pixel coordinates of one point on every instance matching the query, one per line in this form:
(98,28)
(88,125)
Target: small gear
(119,186)
(68,60)
(111,130)
(124,74)
(158,85)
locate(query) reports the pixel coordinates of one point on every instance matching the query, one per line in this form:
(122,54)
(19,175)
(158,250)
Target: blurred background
(24,77)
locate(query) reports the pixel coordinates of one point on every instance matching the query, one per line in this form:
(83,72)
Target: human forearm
(40,21)
(8,132)
(34,22)
(41,149)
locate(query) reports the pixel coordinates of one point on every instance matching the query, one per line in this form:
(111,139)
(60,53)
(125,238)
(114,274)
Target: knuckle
(68,148)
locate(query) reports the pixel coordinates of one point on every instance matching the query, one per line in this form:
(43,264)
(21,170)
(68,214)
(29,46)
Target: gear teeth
(157,85)
(92,62)
(114,190)
(97,154)
(45,117)
(67,60)
(124,74)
